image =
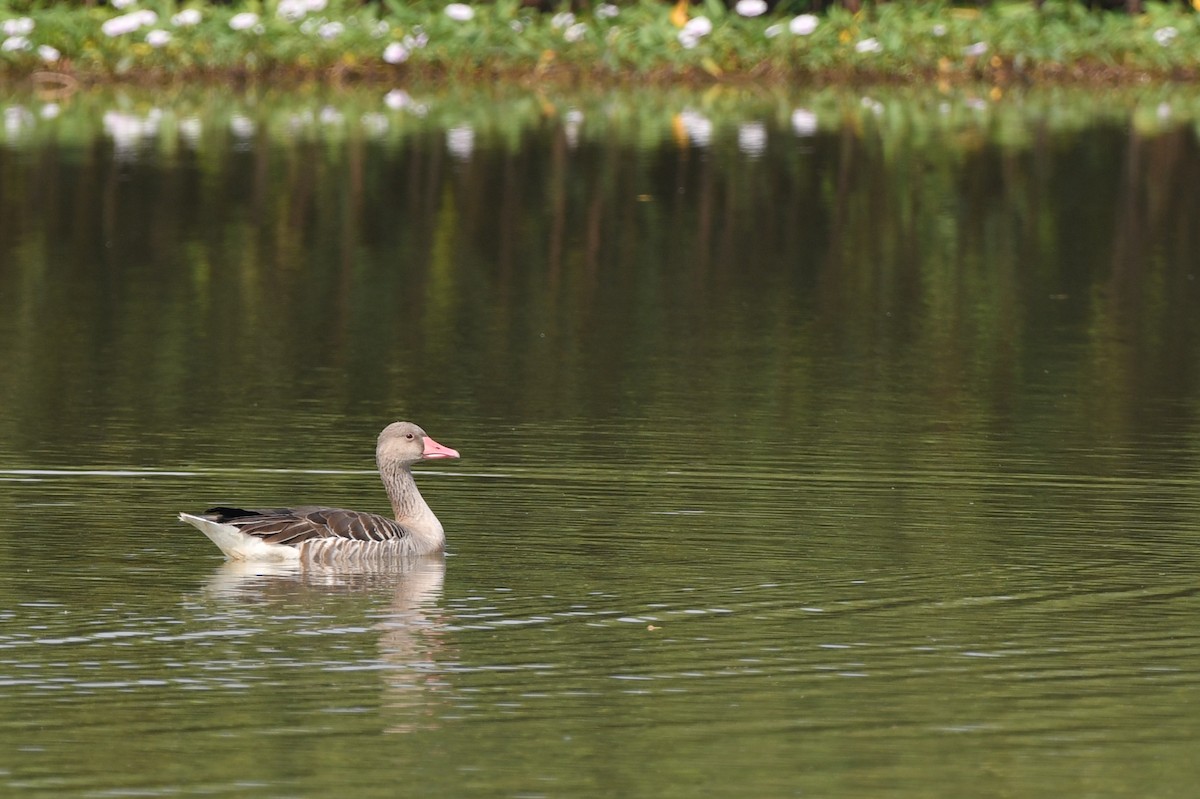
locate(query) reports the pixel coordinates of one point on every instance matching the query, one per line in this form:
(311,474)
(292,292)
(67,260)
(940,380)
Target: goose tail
(238,545)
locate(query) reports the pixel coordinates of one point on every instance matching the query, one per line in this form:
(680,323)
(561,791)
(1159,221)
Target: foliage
(649,40)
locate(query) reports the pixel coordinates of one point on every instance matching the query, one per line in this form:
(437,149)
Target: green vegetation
(393,40)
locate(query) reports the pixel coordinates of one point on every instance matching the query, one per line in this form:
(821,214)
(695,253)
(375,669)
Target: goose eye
(409,436)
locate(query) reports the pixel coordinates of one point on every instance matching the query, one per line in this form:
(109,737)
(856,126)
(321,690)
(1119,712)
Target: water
(848,460)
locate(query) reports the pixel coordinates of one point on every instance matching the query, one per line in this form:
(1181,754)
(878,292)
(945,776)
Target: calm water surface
(816,446)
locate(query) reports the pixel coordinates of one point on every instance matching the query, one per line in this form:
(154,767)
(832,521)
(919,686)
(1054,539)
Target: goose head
(406,443)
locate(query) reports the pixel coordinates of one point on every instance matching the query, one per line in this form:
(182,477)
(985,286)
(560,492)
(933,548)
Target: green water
(830,445)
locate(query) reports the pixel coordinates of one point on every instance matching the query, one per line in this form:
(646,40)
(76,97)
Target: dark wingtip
(223,514)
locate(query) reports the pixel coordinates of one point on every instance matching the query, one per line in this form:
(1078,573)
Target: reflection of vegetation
(989,260)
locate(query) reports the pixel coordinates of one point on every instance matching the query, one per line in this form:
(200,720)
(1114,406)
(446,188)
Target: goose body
(311,533)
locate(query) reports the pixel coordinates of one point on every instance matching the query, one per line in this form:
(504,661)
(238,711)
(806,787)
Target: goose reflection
(411,630)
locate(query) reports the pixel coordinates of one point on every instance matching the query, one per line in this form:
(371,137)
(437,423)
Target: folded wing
(293,526)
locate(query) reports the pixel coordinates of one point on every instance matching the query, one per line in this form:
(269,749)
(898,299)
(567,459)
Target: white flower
(186,18)
(751,8)
(145,16)
(292,10)
(416,40)
(804,122)
(804,24)
(868,46)
(126,23)
(158,37)
(122,3)
(243,21)
(772,31)
(18,26)
(975,50)
(395,53)
(688,40)
(939,30)
(381,29)
(607,11)
(1163,110)
(563,19)
(331,30)
(516,26)
(872,105)
(697,27)
(331,116)
(1165,36)
(49,110)
(48,54)
(460,12)
(575,32)
(15,43)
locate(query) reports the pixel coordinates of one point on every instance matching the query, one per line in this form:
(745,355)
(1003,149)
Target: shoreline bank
(297,41)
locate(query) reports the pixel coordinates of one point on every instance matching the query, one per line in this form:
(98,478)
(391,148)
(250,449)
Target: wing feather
(293,526)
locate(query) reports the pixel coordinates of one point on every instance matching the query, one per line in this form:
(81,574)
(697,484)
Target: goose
(310,533)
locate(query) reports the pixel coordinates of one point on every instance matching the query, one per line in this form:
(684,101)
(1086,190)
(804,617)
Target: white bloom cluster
(693,31)
(331,30)
(128,23)
(396,53)
(186,18)
(17,31)
(18,26)
(399,52)
(751,8)
(575,32)
(299,9)
(804,24)
(1165,36)
(243,21)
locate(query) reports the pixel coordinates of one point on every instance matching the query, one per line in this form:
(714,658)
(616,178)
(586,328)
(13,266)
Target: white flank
(237,545)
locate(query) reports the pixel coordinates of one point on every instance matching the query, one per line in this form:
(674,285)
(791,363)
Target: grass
(642,42)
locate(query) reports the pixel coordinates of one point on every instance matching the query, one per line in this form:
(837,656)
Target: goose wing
(292,526)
